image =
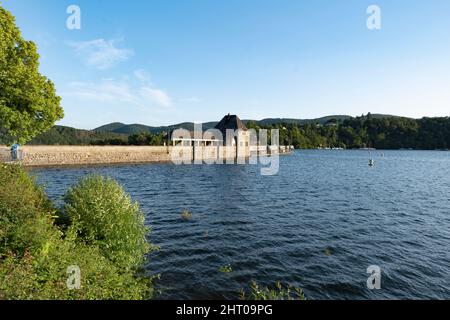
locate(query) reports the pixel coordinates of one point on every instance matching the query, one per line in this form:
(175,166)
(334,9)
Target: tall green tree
(28,101)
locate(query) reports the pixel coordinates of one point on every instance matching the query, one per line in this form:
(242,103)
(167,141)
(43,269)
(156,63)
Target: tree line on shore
(366,131)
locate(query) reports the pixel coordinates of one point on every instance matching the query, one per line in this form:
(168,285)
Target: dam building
(240,140)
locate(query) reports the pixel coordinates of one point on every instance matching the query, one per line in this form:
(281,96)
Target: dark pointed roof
(230,122)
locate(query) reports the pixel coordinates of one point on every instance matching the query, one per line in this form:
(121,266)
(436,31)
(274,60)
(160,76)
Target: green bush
(25,212)
(35,254)
(103,215)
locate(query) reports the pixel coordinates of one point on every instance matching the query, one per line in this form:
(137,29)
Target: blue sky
(159,62)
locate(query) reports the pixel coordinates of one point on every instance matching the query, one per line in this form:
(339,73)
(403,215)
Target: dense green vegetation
(28,101)
(60,135)
(366,132)
(102,233)
(147,139)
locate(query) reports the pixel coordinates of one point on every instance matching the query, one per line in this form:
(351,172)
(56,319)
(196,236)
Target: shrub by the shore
(103,215)
(25,212)
(35,254)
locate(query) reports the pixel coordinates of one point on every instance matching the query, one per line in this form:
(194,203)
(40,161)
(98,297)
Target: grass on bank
(102,233)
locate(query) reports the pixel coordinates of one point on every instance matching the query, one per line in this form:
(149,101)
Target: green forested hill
(274,121)
(130,129)
(60,135)
(126,129)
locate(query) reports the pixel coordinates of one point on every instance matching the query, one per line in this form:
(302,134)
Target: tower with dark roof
(230,122)
(241,137)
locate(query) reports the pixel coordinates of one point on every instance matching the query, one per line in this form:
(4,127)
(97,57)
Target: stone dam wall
(92,155)
(86,155)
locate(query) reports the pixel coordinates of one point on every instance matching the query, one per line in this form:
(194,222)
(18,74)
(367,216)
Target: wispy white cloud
(101,53)
(107,90)
(122,92)
(156,95)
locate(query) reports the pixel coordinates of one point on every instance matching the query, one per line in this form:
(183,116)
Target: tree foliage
(60,135)
(66,136)
(146,139)
(28,101)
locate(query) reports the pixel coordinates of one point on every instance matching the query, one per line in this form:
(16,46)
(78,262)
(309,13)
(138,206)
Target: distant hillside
(130,129)
(274,121)
(60,135)
(126,129)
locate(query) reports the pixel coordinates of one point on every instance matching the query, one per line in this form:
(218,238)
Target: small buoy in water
(371,163)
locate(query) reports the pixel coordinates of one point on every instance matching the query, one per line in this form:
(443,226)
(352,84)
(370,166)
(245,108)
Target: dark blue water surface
(319,224)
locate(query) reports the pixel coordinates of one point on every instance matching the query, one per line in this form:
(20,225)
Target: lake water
(319,224)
